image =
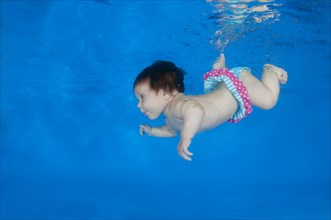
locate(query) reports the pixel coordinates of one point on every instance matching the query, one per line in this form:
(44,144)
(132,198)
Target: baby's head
(162,75)
(155,87)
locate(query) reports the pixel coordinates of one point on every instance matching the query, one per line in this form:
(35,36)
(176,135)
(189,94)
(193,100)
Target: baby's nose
(139,105)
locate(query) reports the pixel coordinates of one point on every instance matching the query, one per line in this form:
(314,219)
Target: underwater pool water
(70,143)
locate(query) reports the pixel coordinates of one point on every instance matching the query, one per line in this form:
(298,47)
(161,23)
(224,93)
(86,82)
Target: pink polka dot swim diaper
(234,85)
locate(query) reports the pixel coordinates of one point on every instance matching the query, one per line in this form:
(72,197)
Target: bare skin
(188,115)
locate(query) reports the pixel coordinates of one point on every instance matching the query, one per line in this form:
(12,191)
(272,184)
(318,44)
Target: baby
(229,96)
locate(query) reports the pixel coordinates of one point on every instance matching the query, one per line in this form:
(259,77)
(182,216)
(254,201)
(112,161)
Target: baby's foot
(219,63)
(279,72)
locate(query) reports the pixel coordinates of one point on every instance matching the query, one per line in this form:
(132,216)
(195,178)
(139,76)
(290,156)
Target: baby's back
(218,106)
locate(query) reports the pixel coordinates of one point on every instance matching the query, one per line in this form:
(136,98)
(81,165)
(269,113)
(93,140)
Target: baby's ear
(166,95)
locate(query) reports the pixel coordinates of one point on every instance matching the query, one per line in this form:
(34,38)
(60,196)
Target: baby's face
(150,103)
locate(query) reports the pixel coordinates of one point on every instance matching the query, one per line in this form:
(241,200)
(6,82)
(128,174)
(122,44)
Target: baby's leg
(219,63)
(264,93)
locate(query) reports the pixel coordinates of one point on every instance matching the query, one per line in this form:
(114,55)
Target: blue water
(70,143)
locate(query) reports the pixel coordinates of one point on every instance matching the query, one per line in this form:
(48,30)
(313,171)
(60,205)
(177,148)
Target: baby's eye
(142,97)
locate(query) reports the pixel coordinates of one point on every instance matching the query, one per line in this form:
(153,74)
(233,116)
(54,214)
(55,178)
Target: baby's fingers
(142,130)
(182,155)
(185,154)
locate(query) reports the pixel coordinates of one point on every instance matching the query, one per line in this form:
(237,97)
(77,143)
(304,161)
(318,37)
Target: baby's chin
(152,117)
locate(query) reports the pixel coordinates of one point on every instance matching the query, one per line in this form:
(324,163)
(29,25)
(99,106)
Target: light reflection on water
(235,18)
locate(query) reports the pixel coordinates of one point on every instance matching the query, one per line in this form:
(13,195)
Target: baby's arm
(162,131)
(192,114)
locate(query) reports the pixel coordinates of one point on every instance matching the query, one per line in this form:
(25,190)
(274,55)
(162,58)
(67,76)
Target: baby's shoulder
(181,103)
(182,99)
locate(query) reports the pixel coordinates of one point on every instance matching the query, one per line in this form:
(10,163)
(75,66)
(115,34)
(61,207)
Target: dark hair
(162,75)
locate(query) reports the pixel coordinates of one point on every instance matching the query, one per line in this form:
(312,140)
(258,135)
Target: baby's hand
(183,149)
(145,129)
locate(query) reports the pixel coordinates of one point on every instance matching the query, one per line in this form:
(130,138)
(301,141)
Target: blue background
(70,143)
